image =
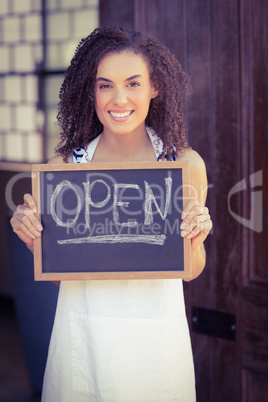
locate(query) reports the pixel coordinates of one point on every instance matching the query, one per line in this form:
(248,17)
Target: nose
(120,98)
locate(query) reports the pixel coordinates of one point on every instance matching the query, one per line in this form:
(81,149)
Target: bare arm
(24,221)
(196,223)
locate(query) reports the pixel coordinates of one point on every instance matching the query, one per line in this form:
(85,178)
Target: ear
(154,92)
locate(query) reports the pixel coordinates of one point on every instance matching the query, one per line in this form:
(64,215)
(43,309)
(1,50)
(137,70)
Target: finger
(190,204)
(207,227)
(202,227)
(32,222)
(24,225)
(197,214)
(26,221)
(198,221)
(28,199)
(17,228)
(196,209)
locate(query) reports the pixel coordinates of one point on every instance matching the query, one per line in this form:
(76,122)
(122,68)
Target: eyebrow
(127,79)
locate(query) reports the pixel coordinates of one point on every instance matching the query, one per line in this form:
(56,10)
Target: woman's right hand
(25,223)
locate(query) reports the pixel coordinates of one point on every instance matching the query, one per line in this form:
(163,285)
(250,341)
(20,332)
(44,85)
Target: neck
(134,146)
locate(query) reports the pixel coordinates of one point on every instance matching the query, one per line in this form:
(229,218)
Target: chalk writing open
(112,221)
(89,188)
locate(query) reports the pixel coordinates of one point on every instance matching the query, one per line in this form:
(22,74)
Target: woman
(122,100)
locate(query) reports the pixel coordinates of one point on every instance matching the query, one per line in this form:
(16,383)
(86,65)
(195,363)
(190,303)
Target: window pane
(3,7)
(14,147)
(58,26)
(30,88)
(52,89)
(5,117)
(11,29)
(34,147)
(25,117)
(4,59)
(84,22)
(32,28)
(23,57)
(12,89)
(71,3)
(21,6)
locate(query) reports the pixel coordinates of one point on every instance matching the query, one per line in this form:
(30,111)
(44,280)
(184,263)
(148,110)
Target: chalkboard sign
(111,221)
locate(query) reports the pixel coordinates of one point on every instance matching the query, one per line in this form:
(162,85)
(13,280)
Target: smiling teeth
(125,114)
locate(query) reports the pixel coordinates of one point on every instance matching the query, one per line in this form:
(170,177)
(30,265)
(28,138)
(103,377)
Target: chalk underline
(148,239)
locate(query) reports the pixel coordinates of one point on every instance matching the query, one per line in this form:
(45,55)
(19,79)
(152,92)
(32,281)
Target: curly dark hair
(76,115)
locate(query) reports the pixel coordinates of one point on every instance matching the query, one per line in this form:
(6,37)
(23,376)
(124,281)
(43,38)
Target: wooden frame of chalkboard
(111,221)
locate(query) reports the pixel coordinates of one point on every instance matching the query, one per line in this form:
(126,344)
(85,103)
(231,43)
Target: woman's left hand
(196,223)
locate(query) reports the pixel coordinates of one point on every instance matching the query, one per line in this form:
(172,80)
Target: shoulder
(198,173)
(196,161)
(58,160)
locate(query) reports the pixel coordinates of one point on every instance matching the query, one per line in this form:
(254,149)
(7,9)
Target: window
(37,41)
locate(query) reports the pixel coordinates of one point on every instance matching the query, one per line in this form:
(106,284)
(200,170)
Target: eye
(133,84)
(104,86)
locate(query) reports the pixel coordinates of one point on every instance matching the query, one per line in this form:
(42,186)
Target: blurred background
(223,46)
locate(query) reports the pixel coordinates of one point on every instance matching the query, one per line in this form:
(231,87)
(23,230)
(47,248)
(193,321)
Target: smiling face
(123,93)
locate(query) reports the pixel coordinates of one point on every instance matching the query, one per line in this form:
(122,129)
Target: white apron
(120,340)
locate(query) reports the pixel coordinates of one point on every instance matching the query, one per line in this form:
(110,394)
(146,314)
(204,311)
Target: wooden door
(254,165)
(224,48)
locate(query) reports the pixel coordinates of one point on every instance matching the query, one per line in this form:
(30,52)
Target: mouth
(121,115)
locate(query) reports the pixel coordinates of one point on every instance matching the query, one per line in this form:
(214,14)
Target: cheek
(98,103)
(145,100)
(98,108)
(141,99)
(99,114)
(101,100)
